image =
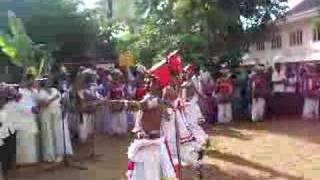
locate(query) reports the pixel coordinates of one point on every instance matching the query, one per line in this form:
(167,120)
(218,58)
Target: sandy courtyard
(272,150)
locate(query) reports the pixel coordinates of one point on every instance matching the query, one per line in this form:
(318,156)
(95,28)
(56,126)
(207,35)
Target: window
(260,45)
(316,33)
(296,38)
(246,46)
(276,42)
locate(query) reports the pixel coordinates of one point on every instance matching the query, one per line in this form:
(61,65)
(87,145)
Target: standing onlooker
(291,76)
(292,97)
(104,88)
(27,133)
(204,86)
(311,100)
(223,93)
(278,82)
(259,90)
(51,124)
(278,79)
(119,122)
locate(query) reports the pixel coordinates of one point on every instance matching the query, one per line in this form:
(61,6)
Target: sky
(91,3)
(293,3)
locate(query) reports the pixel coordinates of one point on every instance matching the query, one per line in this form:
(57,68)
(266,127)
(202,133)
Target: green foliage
(68,31)
(21,50)
(208,32)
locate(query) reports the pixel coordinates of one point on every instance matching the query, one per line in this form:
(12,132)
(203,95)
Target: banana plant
(19,47)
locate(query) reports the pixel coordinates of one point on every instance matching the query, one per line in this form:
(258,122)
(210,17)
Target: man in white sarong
(278,81)
(223,93)
(311,100)
(149,155)
(292,79)
(259,91)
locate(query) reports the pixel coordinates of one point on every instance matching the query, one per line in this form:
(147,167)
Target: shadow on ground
(292,126)
(246,163)
(229,131)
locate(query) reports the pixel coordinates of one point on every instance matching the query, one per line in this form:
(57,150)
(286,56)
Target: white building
(297,39)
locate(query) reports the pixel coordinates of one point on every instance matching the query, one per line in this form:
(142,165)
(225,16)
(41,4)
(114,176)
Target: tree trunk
(110,9)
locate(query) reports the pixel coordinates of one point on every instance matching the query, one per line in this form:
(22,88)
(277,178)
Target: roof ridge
(303,6)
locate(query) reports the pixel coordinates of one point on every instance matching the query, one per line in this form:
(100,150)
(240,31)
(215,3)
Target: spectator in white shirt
(278,79)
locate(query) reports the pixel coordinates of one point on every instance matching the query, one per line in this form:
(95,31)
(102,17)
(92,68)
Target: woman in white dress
(51,124)
(26,125)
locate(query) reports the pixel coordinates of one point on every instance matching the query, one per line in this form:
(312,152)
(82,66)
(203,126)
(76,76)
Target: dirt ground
(271,150)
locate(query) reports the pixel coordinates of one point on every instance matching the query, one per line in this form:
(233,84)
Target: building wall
(308,51)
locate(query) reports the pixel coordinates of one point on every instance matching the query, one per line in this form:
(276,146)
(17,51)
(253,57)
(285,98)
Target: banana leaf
(17,45)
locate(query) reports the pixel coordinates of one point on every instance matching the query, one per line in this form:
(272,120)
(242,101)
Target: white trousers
(310,108)
(258,109)
(224,112)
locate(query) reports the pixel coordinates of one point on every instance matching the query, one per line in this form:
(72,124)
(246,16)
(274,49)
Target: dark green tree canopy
(206,31)
(61,25)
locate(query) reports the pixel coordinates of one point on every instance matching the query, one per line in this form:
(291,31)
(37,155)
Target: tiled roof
(305,5)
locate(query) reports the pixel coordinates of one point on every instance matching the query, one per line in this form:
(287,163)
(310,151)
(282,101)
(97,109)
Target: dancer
(87,97)
(149,156)
(184,118)
(192,108)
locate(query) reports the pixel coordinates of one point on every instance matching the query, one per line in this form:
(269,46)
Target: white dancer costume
(194,115)
(150,156)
